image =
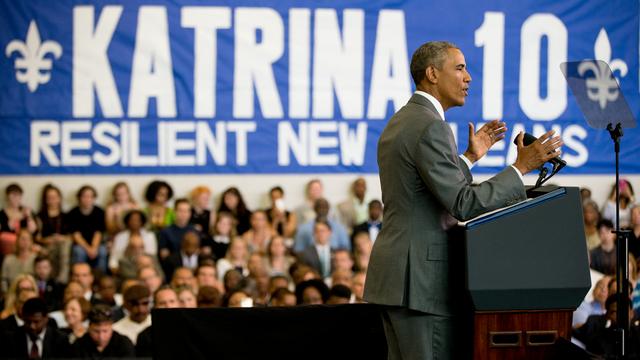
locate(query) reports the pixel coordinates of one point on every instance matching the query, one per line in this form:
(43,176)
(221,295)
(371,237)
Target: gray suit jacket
(425,187)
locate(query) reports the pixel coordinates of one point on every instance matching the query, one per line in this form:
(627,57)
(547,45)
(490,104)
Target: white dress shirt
(39,342)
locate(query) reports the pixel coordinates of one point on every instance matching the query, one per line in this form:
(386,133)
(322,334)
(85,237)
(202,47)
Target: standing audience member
(21,262)
(158,194)
(54,232)
(87,227)
(101,341)
(261,232)
(232,202)
(373,224)
(223,232)
(353,211)
(282,220)
(76,309)
(48,288)
(137,303)
(304,235)
(627,199)
(134,222)
(13,217)
(121,203)
(171,236)
(603,257)
(237,257)
(36,338)
(591,217)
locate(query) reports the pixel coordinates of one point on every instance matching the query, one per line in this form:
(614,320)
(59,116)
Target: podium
(526,272)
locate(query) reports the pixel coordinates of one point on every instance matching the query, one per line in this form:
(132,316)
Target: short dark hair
(208,296)
(136,292)
(280,293)
(181,201)
(606,223)
(100,313)
(340,290)
(375,202)
(40,258)
(322,220)
(85,188)
(34,306)
(128,216)
(13,187)
(432,53)
(277,188)
(322,288)
(154,187)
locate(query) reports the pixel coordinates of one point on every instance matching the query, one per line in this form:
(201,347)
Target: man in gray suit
(426,188)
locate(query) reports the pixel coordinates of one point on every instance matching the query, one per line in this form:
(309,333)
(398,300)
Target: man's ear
(431,74)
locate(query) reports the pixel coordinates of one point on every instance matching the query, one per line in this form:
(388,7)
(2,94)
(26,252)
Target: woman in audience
(627,199)
(121,203)
(237,257)
(87,225)
(223,232)
(76,310)
(23,282)
(312,292)
(134,221)
(13,217)
(232,202)
(160,214)
(187,297)
(591,216)
(201,215)
(54,234)
(260,233)
(21,262)
(282,220)
(634,239)
(278,262)
(73,289)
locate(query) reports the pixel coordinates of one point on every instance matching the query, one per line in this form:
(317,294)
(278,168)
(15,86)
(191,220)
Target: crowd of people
(82,282)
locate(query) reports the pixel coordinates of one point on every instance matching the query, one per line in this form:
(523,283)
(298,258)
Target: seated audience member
(150,277)
(164,298)
(186,297)
(627,199)
(232,202)
(223,232)
(160,215)
(283,222)
(260,233)
(591,217)
(233,280)
(306,211)
(353,211)
(183,276)
(13,217)
(187,256)
(342,260)
(362,246)
(634,238)
(585,194)
(278,261)
(101,341)
(20,262)
(237,257)
(599,334)
(594,307)
(339,294)
(87,227)
(202,217)
(134,221)
(283,297)
(206,276)
(373,223)
(318,254)
(239,299)
(54,233)
(121,203)
(209,297)
(278,281)
(137,303)
(81,273)
(341,277)
(304,235)
(76,310)
(128,262)
(312,292)
(259,289)
(73,289)
(107,294)
(36,338)
(603,257)
(357,286)
(48,288)
(301,272)
(22,289)
(171,236)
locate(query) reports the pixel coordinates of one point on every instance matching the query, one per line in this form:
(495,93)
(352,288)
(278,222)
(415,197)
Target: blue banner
(116,87)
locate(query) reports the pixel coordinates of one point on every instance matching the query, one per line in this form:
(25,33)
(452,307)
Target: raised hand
(480,142)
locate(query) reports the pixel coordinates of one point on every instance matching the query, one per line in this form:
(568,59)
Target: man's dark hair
(280,293)
(341,291)
(277,188)
(34,306)
(154,187)
(375,202)
(40,258)
(13,187)
(181,201)
(322,220)
(100,313)
(606,223)
(135,293)
(615,298)
(322,288)
(432,53)
(85,188)
(208,296)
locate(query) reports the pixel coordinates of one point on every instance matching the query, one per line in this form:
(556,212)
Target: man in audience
(137,303)
(353,211)
(48,288)
(171,236)
(187,256)
(183,277)
(36,338)
(150,277)
(81,273)
(283,297)
(306,212)
(304,235)
(278,281)
(164,298)
(107,294)
(603,257)
(341,277)
(206,276)
(101,341)
(87,223)
(342,260)
(339,294)
(373,224)
(593,307)
(357,286)
(318,254)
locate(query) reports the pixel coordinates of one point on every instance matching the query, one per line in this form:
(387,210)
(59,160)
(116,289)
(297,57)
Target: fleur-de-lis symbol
(602,88)
(32,67)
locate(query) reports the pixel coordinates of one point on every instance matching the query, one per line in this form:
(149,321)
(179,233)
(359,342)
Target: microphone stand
(622,263)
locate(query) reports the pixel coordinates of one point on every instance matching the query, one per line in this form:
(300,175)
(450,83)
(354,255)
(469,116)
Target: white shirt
(121,241)
(39,341)
(324,253)
(130,328)
(189,261)
(440,111)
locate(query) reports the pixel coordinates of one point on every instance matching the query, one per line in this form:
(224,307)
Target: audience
(13,217)
(121,203)
(21,262)
(232,202)
(101,341)
(158,194)
(76,309)
(304,235)
(171,236)
(133,222)
(353,211)
(54,232)
(87,229)
(282,220)
(137,303)
(603,257)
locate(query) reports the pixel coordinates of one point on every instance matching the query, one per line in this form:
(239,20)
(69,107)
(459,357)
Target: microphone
(556,161)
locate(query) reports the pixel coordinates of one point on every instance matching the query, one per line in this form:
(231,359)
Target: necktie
(34,354)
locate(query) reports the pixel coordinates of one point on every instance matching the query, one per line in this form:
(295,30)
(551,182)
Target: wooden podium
(526,272)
